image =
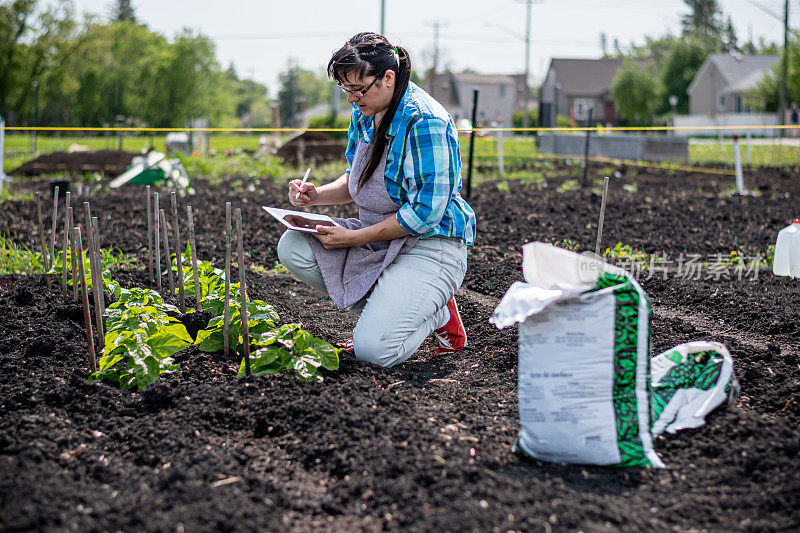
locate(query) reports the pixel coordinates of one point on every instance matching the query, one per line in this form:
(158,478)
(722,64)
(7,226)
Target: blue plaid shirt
(423,166)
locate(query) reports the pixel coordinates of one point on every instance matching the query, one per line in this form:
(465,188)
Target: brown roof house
(723,81)
(499,95)
(573,86)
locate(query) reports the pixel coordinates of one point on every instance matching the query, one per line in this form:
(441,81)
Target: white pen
(305,178)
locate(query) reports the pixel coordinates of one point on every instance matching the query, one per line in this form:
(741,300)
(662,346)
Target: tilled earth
(424,446)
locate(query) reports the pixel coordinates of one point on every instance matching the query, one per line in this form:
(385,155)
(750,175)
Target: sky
(260,36)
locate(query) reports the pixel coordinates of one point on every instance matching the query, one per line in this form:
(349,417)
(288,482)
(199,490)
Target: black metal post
(585,180)
(472,141)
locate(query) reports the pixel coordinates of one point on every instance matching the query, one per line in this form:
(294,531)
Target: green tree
(314,87)
(300,89)
(678,71)
(703,19)
(289,96)
(122,10)
(635,89)
(118,63)
(730,42)
(32,42)
(252,108)
(764,97)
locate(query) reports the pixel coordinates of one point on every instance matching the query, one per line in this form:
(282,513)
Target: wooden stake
(165,236)
(226,310)
(78,245)
(94,269)
(42,244)
(74,257)
(72,264)
(67,232)
(97,285)
(243,293)
(65,244)
(52,258)
(178,252)
(98,257)
(602,217)
(149,236)
(87,233)
(157,240)
(193,247)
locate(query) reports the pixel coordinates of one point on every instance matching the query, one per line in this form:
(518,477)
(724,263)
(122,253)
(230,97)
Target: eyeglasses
(358,93)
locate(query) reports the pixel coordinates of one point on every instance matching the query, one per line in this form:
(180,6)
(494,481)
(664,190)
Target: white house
(721,84)
(718,97)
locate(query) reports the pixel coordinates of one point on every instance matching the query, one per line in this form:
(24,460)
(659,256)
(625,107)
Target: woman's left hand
(333,237)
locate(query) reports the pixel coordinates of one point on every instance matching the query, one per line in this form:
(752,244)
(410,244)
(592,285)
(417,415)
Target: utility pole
(782,93)
(436,26)
(383,17)
(527,61)
(527,95)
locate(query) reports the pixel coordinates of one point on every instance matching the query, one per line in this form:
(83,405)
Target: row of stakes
(157,233)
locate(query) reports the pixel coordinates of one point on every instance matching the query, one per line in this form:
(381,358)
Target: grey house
(723,81)
(573,86)
(499,95)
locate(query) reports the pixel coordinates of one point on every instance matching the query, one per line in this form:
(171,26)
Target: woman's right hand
(308,193)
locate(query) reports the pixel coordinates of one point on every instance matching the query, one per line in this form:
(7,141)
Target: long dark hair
(370,54)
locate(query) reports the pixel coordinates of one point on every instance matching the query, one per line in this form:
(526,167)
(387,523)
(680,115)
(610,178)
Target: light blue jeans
(406,303)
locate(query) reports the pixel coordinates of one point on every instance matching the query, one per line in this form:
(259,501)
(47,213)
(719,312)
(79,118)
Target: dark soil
(424,446)
(108,162)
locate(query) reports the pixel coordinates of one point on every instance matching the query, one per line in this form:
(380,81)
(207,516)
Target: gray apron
(350,273)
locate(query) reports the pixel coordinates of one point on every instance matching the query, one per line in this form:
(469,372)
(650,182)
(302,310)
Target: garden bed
(108,162)
(426,445)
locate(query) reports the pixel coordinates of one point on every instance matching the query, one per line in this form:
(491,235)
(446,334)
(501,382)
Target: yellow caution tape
(596,129)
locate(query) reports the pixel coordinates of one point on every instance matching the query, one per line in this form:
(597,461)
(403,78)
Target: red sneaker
(451,337)
(346,346)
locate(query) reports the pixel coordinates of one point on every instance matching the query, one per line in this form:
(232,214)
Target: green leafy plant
(18,259)
(110,259)
(291,350)
(287,349)
(261,318)
(624,253)
(140,340)
(210,278)
(568,185)
(116,259)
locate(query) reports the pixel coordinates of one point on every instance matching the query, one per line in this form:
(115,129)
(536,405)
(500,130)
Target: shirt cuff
(410,222)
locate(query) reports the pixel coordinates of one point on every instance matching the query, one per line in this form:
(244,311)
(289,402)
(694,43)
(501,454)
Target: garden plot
(425,445)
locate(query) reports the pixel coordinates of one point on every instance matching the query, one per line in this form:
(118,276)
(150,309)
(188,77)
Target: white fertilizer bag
(688,382)
(584,360)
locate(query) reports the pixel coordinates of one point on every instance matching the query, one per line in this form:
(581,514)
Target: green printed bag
(688,382)
(584,360)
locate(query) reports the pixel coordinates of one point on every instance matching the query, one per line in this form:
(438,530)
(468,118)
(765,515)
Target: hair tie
(395,49)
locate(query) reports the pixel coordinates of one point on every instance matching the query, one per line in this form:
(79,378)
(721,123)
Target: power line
(766,10)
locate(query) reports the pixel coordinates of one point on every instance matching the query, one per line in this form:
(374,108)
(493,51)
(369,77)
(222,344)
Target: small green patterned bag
(688,382)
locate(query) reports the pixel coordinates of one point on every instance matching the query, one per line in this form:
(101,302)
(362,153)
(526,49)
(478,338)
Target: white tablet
(300,220)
